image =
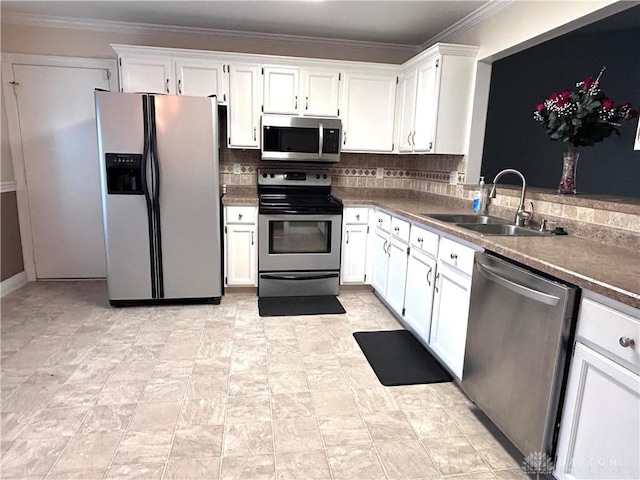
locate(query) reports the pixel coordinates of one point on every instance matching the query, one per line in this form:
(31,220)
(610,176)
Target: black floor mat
(288,306)
(398,358)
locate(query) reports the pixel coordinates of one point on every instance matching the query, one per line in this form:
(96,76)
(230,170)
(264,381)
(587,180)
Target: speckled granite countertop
(609,270)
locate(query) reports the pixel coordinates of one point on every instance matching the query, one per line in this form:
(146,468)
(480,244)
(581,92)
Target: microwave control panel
(331,140)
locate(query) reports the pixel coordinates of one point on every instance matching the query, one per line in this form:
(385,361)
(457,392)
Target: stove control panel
(308,178)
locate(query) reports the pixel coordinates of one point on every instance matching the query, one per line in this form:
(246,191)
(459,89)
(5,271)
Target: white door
(200,79)
(450,315)
(599,431)
(407,110)
(241,251)
(281,90)
(426,107)
(397,275)
(421,272)
(147,75)
(243,111)
(320,92)
(380,261)
(60,150)
(367,108)
(354,254)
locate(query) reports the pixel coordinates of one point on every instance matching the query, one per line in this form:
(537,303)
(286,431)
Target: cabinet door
(426,106)
(320,92)
(244,112)
(450,315)
(147,75)
(601,420)
(367,108)
(200,79)
(354,254)
(418,299)
(397,276)
(281,90)
(407,110)
(241,249)
(380,261)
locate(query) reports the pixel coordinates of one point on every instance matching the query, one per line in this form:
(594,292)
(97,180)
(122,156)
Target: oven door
(299,242)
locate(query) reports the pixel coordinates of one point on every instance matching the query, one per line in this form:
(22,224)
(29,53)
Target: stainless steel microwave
(300,139)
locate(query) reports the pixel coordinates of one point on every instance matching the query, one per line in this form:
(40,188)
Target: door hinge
(262,70)
(408,248)
(225,229)
(120,61)
(403,312)
(338,112)
(367,228)
(229,140)
(397,80)
(393,145)
(226,281)
(365,277)
(339,76)
(262,108)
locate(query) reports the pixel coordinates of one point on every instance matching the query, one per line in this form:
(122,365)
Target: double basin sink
(485,225)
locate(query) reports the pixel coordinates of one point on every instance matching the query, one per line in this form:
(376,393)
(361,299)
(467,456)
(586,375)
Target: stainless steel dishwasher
(519,332)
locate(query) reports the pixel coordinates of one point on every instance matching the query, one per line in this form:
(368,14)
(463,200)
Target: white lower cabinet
(397,274)
(380,261)
(241,246)
(355,239)
(418,300)
(451,304)
(600,428)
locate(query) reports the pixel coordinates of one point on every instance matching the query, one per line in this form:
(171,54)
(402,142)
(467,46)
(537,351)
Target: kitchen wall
(523,80)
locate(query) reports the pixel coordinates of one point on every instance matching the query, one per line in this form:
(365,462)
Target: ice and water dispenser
(124,174)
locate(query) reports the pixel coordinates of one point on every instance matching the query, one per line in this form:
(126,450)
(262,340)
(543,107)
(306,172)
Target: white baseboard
(13,283)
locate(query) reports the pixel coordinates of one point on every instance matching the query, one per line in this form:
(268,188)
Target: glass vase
(569,166)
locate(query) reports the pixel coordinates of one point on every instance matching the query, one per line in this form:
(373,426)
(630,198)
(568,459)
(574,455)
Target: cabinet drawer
(400,229)
(456,255)
(383,221)
(356,216)
(240,214)
(607,327)
(424,240)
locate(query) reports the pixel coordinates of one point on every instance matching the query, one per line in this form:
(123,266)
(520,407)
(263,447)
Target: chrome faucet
(522,215)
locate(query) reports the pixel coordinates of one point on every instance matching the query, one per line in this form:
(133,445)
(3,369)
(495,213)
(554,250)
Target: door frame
(15,139)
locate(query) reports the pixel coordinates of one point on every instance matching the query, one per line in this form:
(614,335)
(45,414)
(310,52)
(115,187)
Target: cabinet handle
(384,246)
(344,141)
(413,138)
(357,216)
(296,105)
(409,139)
(429,276)
(435,282)
(430,145)
(180,86)
(454,256)
(347,237)
(306,103)
(239,216)
(626,342)
(167,86)
(380,221)
(420,239)
(254,134)
(251,237)
(397,229)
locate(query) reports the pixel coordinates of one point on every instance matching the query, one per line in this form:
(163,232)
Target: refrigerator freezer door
(121,130)
(187,155)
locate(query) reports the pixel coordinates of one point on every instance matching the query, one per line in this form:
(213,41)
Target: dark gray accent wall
(519,82)
(10,244)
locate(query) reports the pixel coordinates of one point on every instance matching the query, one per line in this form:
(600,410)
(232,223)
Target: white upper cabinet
(201,78)
(281,90)
(243,113)
(147,75)
(367,108)
(437,100)
(320,92)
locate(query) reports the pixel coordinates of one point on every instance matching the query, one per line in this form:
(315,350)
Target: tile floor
(207,392)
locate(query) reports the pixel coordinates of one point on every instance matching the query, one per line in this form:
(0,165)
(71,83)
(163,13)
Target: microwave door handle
(321,132)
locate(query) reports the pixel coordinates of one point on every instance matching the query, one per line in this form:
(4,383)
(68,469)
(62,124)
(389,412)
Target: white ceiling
(392,22)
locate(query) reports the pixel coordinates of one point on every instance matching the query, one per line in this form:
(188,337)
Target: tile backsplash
(604,220)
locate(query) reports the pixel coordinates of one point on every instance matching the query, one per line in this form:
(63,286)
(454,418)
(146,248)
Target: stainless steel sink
(496,229)
(461,218)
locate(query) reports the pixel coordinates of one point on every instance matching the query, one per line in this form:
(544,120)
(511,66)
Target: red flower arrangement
(582,117)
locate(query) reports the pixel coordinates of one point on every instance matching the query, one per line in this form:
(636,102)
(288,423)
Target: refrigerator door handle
(155,166)
(147,194)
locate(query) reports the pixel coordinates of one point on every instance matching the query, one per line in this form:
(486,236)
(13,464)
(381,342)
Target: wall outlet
(236,169)
(379,172)
(453,177)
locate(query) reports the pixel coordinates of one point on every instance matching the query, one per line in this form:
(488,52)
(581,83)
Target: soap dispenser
(480,199)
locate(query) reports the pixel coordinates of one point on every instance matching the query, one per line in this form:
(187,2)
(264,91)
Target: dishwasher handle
(531,293)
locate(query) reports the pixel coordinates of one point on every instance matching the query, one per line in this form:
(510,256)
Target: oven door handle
(316,276)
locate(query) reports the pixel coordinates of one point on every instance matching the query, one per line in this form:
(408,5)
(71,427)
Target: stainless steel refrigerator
(160,197)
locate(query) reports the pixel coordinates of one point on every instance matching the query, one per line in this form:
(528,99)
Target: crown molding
(34,20)
(478,15)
